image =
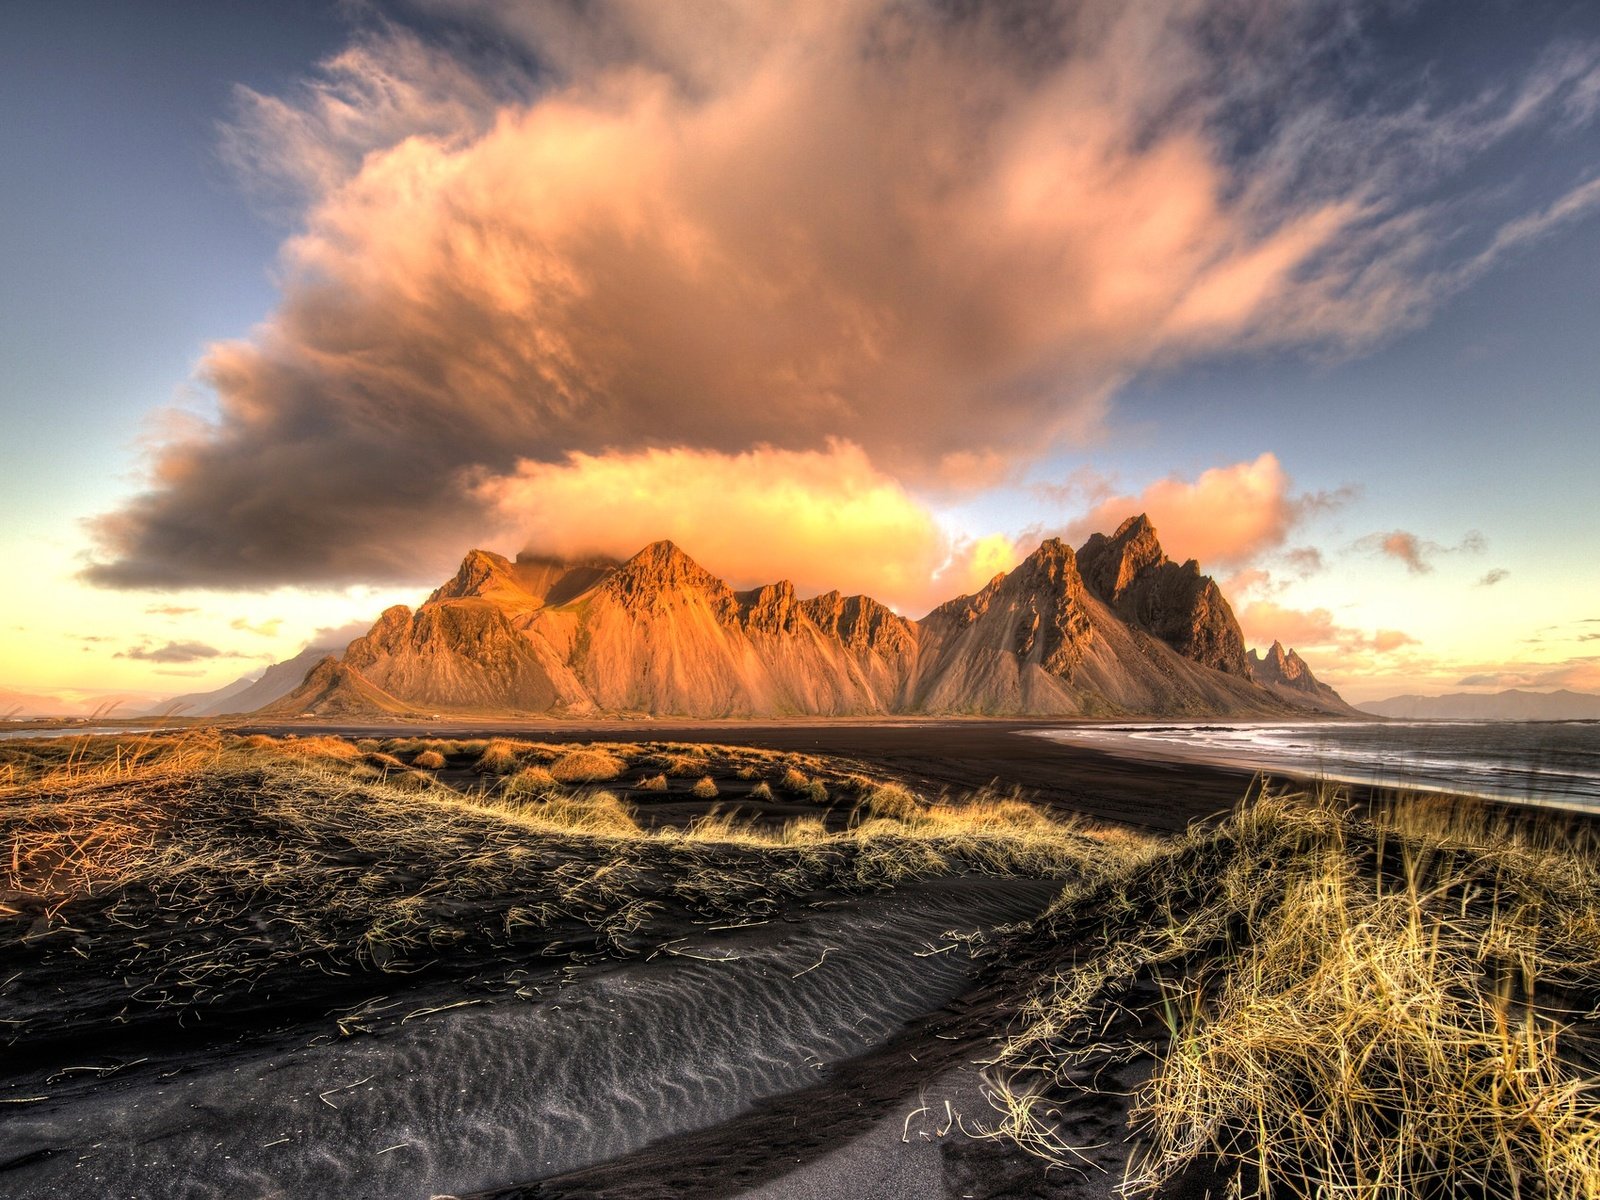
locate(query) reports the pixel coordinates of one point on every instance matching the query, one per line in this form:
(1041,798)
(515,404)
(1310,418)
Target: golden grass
(705,788)
(1363,1007)
(500,757)
(429,760)
(530,781)
(211,872)
(652,783)
(587,765)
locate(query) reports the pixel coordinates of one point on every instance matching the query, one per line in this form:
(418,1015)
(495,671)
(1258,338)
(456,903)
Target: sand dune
(497,1093)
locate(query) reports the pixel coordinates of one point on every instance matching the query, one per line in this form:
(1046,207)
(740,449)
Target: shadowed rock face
(1114,629)
(1132,574)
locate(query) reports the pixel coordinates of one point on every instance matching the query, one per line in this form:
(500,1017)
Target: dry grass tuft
(429,760)
(587,766)
(652,783)
(705,788)
(1360,1007)
(499,757)
(761,792)
(891,801)
(530,781)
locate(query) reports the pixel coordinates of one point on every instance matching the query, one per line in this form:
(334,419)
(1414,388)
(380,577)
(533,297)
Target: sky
(301,301)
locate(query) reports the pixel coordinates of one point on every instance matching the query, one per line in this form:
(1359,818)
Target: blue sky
(1463,414)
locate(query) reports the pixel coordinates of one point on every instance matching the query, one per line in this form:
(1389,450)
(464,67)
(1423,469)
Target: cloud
(170,610)
(337,637)
(268,628)
(1264,621)
(175,652)
(1581,673)
(1417,553)
(1490,578)
(1305,561)
(777,224)
(825,519)
(1227,517)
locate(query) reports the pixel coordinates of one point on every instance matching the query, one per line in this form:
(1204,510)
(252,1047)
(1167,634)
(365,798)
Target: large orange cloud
(944,233)
(1227,517)
(823,519)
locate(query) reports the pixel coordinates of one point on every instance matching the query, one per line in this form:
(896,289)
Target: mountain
(1185,609)
(1511,705)
(332,689)
(1115,629)
(23,706)
(1285,672)
(248,693)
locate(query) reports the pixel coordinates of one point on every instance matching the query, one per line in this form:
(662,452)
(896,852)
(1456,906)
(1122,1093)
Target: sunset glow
(768,283)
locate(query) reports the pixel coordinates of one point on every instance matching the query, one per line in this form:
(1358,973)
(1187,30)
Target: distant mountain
(331,689)
(15,705)
(1512,705)
(1115,629)
(249,692)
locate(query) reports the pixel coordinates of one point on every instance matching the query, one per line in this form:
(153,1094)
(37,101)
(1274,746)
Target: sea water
(1536,762)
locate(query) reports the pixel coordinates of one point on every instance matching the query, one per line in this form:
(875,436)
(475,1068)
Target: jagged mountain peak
(1112,565)
(861,623)
(482,573)
(1132,574)
(659,633)
(1280,665)
(662,569)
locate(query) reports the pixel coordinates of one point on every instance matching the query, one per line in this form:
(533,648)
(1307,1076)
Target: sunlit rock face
(1113,629)
(1284,670)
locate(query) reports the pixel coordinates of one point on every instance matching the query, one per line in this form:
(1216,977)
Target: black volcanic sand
(831,1050)
(850,1019)
(496,1090)
(956,756)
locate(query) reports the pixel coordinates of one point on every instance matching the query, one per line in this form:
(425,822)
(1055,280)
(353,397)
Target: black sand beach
(937,756)
(368,981)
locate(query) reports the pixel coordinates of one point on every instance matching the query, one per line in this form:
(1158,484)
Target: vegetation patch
(1351,1005)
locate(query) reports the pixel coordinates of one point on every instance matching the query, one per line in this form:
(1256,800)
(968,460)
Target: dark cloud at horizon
(781,240)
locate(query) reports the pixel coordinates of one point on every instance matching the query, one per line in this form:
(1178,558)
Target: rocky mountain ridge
(1116,629)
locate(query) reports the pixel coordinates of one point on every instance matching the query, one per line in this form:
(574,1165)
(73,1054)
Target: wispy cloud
(268,628)
(1581,673)
(1265,621)
(1492,577)
(1417,553)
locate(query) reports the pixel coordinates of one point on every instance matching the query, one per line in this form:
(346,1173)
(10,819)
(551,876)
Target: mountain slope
(249,692)
(332,689)
(659,634)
